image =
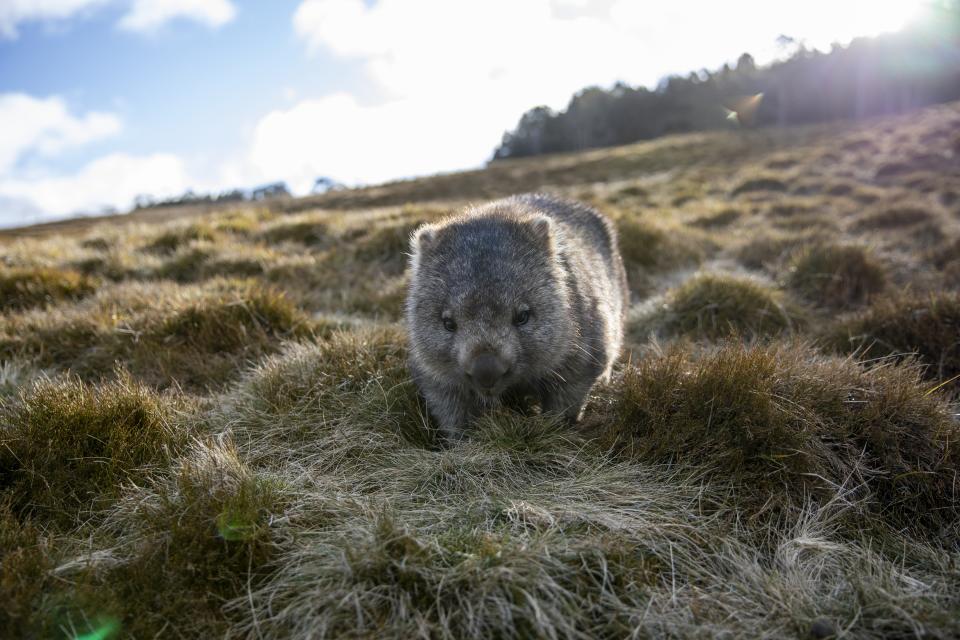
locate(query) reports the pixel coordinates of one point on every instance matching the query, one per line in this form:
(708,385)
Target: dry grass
(259,465)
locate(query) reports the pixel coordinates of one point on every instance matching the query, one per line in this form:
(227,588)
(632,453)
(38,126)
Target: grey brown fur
(472,278)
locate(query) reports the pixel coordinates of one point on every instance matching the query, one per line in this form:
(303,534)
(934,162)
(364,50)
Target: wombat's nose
(486,370)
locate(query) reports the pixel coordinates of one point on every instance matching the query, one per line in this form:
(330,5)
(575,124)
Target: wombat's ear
(543,229)
(422,238)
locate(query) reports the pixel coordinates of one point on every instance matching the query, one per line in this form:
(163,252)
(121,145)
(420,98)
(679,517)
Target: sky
(104,100)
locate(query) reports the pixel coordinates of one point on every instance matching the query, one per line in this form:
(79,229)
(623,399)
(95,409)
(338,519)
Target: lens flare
(104,631)
(234,527)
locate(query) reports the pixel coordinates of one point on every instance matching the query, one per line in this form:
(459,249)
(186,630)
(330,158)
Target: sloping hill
(207,428)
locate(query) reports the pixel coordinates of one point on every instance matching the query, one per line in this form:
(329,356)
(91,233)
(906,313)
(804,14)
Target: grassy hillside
(207,428)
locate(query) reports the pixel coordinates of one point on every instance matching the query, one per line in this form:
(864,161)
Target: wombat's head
(488,305)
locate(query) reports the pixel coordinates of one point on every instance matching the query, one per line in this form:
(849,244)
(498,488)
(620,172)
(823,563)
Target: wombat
(520,297)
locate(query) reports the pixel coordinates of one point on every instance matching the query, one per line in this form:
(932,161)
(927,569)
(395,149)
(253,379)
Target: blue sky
(103,99)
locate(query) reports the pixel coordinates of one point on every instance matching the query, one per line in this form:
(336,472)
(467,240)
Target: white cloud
(143,15)
(14,12)
(337,137)
(45,126)
(42,128)
(150,15)
(113,180)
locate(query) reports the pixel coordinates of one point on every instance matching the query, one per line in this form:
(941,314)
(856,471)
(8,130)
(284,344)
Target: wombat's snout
(486,370)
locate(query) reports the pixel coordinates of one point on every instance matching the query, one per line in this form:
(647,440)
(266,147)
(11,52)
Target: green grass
(208,427)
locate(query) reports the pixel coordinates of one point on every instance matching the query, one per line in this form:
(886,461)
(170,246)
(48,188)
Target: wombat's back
(588,232)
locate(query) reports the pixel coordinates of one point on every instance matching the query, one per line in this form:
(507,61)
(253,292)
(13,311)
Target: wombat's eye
(449,325)
(521,317)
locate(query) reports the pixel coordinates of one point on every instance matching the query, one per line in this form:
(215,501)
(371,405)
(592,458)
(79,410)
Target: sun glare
(872,17)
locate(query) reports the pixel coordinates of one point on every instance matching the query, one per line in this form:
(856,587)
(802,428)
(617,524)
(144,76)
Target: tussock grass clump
(760,184)
(358,377)
(717,220)
(782,423)
(895,217)
(196,263)
(175,238)
(308,232)
(114,266)
(769,250)
(13,375)
(242,223)
(945,255)
(199,340)
(96,243)
(244,320)
(187,542)
(388,245)
(840,188)
(792,207)
(915,162)
(836,275)
(26,557)
(233,267)
(67,447)
(654,247)
(803,222)
(24,288)
(927,327)
(632,191)
(713,306)
(184,266)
